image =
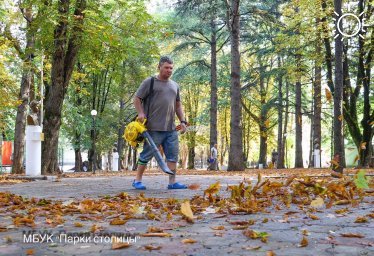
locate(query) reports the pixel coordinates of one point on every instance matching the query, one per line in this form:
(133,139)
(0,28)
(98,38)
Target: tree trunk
(368,118)
(284,145)
(317,99)
(298,128)
(120,141)
(236,147)
(78,160)
(280,141)
(213,86)
(191,158)
(326,41)
(338,91)
(63,61)
(27,83)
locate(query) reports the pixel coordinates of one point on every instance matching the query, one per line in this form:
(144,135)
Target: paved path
(323,235)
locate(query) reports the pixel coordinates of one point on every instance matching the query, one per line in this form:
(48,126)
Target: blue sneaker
(177,185)
(138,185)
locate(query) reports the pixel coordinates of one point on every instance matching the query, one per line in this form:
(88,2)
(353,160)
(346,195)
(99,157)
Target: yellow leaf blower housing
(133,132)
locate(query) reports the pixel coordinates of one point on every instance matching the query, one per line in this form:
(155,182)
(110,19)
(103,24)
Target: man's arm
(180,115)
(139,108)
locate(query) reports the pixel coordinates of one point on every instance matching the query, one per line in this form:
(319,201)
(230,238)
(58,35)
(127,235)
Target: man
(214,157)
(162,105)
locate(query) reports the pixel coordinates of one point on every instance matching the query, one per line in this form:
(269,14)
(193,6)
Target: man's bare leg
(173,167)
(139,172)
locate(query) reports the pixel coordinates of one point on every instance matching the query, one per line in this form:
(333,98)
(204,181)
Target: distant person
(214,158)
(159,107)
(274,158)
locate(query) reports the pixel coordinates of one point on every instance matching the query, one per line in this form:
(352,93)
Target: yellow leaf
(317,203)
(117,221)
(186,211)
(328,95)
(304,242)
(218,228)
(313,217)
(118,245)
(152,247)
(213,189)
(156,235)
(188,241)
(270,253)
(78,224)
(155,230)
(361,219)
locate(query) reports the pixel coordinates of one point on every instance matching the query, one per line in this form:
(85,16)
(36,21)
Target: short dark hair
(164,59)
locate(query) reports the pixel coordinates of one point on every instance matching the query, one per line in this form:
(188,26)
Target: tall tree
(66,45)
(338,89)
(27,83)
(236,159)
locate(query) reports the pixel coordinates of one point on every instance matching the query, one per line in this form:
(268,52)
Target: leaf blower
(135,133)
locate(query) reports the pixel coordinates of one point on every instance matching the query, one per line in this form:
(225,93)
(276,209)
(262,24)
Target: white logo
(349,24)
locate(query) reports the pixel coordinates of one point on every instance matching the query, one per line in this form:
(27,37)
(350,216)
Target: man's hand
(183,128)
(141,117)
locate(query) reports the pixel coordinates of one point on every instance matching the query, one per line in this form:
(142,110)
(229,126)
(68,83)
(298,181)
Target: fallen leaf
(155,230)
(186,211)
(371,215)
(305,232)
(361,180)
(218,228)
(156,235)
(116,246)
(252,247)
(313,217)
(78,224)
(220,234)
(356,235)
(188,241)
(270,253)
(304,242)
(317,203)
(342,211)
(30,252)
(265,220)
(361,219)
(242,222)
(117,221)
(194,186)
(152,247)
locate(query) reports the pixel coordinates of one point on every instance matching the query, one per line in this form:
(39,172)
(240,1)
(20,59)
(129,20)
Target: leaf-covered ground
(221,213)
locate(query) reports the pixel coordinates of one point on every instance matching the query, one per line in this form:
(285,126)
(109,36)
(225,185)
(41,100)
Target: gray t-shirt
(162,106)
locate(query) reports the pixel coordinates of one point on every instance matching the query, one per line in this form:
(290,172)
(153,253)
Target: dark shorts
(169,142)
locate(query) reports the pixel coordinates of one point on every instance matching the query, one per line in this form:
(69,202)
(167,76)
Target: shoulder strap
(150,94)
